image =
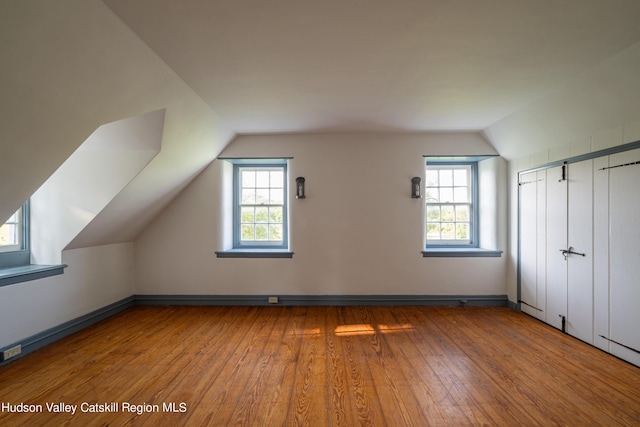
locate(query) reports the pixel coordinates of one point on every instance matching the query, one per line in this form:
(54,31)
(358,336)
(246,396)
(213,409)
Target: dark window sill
(25,273)
(254,253)
(461,253)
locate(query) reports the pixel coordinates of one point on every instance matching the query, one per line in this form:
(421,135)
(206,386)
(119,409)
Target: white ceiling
(377,65)
(70,67)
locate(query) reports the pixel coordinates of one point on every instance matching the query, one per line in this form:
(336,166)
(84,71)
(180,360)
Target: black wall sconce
(300,188)
(415,187)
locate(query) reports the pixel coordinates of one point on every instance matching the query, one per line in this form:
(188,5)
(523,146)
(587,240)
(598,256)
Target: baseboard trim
(324,300)
(48,336)
(512,305)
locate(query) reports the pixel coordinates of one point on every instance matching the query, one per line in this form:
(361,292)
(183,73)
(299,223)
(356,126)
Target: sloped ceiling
(517,70)
(599,98)
(526,74)
(70,67)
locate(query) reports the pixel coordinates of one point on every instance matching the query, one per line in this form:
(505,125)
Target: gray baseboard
(48,336)
(324,300)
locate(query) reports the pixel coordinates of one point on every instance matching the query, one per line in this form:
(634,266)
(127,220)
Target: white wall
(492,174)
(358,232)
(96,277)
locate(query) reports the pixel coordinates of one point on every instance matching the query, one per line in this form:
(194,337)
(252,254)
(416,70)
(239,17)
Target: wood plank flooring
(321,366)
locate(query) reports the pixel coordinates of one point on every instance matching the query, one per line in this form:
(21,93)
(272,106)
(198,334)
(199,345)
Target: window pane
(431,195)
(277,197)
(446,177)
(462,231)
(247,232)
(460,195)
(248,197)
(447,213)
(8,234)
(262,232)
(248,214)
(275,232)
(448,231)
(277,179)
(433,231)
(462,213)
(432,178)
(262,179)
(248,178)
(262,214)
(460,177)
(446,195)
(275,214)
(433,213)
(262,196)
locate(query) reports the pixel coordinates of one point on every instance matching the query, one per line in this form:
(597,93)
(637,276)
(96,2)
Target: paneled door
(556,241)
(556,226)
(532,248)
(624,255)
(580,250)
(579,257)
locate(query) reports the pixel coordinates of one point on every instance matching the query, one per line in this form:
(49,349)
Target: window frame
(16,267)
(474,217)
(19,255)
(258,245)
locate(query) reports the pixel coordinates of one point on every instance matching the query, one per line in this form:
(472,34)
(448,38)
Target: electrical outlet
(11,352)
(273,300)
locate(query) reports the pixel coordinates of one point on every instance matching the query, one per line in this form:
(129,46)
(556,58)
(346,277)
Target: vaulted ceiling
(521,71)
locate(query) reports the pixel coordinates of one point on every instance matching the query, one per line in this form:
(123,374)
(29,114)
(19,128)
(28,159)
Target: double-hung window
(11,235)
(14,239)
(260,206)
(451,196)
(15,251)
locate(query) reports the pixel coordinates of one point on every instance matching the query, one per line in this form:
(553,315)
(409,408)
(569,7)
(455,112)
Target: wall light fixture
(415,187)
(300,188)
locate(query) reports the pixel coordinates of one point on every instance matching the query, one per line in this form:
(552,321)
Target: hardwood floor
(321,366)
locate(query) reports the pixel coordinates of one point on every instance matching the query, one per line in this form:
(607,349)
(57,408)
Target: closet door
(580,250)
(556,240)
(601,252)
(579,258)
(624,259)
(532,228)
(541,271)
